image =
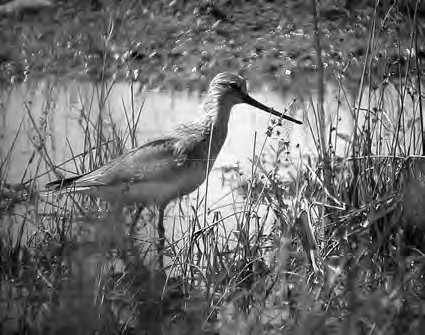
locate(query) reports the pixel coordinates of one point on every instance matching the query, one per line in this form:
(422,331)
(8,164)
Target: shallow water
(57,108)
(61,106)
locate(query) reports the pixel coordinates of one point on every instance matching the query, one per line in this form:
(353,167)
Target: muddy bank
(182,44)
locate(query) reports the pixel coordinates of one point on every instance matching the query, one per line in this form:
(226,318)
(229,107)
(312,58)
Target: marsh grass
(342,252)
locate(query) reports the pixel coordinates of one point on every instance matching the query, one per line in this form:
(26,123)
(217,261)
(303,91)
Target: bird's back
(156,172)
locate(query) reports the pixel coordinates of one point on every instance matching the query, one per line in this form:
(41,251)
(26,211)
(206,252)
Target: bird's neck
(218,111)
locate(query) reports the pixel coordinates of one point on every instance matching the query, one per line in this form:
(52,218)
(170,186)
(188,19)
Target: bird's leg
(135,219)
(116,222)
(131,247)
(161,237)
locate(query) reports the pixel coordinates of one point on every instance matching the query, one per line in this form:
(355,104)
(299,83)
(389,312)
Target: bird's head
(231,89)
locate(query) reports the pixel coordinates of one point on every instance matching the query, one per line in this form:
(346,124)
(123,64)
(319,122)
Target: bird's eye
(234,86)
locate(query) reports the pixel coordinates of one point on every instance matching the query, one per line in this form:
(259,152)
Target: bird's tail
(61,184)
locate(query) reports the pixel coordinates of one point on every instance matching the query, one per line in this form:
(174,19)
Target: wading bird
(172,166)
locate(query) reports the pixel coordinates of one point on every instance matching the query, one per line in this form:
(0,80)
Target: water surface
(60,110)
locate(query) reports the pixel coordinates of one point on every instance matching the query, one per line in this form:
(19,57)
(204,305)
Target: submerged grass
(339,249)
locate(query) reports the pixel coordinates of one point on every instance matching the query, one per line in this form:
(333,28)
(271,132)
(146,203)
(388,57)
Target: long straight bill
(251,101)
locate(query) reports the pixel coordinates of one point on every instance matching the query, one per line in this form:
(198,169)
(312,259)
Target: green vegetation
(366,209)
(182,44)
